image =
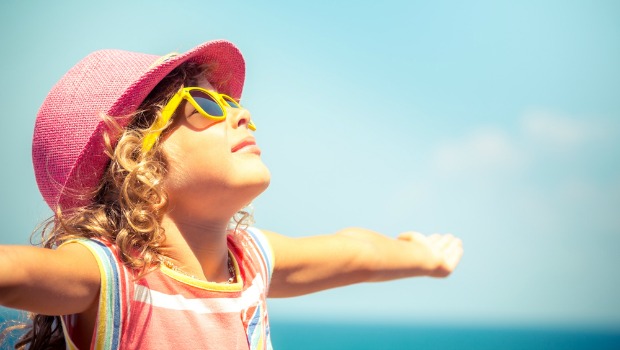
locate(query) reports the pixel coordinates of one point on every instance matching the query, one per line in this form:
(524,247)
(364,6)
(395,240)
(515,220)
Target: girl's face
(214,167)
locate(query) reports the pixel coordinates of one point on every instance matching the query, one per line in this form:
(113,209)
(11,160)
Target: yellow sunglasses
(210,104)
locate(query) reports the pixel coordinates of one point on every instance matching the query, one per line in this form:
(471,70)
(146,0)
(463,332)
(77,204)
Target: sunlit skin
(215,169)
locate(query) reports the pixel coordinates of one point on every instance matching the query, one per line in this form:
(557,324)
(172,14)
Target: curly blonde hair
(127,206)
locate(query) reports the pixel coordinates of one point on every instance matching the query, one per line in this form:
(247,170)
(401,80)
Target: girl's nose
(239,117)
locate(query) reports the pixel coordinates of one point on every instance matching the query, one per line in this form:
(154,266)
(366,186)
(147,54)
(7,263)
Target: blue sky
(496,121)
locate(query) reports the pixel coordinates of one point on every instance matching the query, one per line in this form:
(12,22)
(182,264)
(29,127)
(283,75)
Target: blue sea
(298,335)
(326,336)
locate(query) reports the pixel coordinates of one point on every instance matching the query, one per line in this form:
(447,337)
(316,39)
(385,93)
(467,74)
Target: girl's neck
(199,248)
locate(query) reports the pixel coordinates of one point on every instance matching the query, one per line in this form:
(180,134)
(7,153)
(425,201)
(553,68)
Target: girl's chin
(256,189)
(259,178)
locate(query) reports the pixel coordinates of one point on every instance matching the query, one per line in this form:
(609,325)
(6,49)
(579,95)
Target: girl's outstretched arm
(309,264)
(50,282)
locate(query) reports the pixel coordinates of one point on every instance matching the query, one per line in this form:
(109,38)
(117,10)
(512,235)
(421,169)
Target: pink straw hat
(68,146)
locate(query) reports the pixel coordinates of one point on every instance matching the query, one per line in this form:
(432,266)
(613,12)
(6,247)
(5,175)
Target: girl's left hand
(444,251)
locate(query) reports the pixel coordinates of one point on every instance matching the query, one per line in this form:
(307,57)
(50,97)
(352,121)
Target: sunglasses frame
(170,108)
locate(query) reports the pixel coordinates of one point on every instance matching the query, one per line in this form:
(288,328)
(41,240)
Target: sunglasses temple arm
(156,129)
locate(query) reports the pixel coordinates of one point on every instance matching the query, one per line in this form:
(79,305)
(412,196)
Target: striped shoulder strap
(264,249)
(259,254)
(110,314)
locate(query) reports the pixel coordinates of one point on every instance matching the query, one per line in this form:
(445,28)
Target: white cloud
(488,150)
(483,150)
(557,131)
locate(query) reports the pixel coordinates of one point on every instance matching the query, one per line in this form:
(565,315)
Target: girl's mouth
(247,145)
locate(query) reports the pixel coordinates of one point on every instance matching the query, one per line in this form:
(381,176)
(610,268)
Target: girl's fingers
(442,241)
(453,254)
(434,237)
(453,241)
(411,236)
(447,246)
(405,236)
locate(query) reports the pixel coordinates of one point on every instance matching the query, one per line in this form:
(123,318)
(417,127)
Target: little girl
(148,164)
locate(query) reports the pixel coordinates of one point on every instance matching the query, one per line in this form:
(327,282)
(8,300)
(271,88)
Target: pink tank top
(169,310)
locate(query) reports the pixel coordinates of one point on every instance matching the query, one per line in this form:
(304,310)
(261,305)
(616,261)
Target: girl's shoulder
(99,247)
(251,238)
(252,246)
(108,257)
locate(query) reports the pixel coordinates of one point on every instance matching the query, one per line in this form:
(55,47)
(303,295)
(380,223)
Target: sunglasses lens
(207,103)
(230,101)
